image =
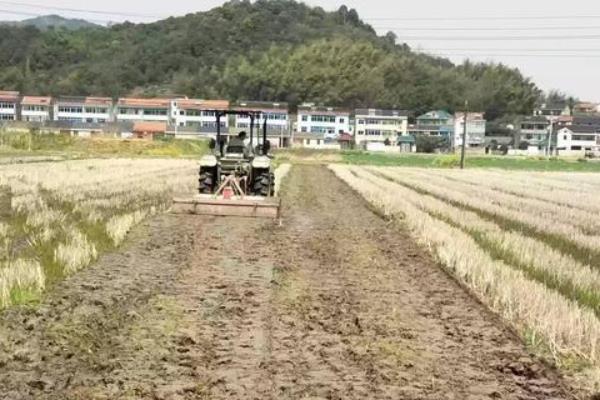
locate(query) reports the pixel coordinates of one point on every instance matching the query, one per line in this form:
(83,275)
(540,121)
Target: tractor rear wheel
(206,182)
(264,184)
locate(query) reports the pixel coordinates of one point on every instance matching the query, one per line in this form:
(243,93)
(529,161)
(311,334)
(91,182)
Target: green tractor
(237,178)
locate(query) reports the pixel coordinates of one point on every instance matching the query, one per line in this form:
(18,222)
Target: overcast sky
(564,52)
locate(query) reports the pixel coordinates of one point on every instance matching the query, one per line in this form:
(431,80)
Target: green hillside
(267,50)
(52,21)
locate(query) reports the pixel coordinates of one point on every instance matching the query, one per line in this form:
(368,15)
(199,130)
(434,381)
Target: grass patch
(566,288)
(476,161)
(25,296)
(556,241)
(69,147)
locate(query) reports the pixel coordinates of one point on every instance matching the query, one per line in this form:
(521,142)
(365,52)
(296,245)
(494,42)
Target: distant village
(551,130)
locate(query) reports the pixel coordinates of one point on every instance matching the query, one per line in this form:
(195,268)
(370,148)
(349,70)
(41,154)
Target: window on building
(318,142)
(212,124)
(6,105)
(565,137)
(277,117)
(70,109)
(575,147)
(361,121)
(305,118)
(323,118)
(96,110)
(303,129)
(342,120)
(7,117)
(128,111)
(155,111)
(584,137)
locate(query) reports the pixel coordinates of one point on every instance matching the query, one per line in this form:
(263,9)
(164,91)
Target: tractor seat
(236,149)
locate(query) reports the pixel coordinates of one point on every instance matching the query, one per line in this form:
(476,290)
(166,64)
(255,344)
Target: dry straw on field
(543,285)
(61,214)
(280,174)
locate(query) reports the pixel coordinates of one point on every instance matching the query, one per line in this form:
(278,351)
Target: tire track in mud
(335,304)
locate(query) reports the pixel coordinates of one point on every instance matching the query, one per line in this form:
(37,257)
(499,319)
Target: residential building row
(551,128)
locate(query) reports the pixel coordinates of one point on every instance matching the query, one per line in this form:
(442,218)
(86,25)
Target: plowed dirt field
(334,304)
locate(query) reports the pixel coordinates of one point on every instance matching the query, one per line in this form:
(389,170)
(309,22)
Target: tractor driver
(238,144)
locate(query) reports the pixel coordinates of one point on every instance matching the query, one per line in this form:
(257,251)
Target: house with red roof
(9,105)
(137,109)
(198,114)
(97,110)
(148,129)
(36,109)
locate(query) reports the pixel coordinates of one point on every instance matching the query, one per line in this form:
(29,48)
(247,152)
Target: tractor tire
(264,185)
(206,182)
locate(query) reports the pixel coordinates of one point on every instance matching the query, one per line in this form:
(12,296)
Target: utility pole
(550,132)
(464,136)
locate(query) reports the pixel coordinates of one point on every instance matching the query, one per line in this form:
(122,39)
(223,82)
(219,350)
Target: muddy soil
(335,304)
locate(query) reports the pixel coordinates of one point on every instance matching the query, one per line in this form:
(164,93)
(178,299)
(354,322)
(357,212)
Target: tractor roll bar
(253,116)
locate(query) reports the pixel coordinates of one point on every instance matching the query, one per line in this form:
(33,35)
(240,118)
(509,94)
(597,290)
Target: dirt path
(335,304)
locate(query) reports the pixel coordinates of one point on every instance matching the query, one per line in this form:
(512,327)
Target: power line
(512,49)
(80,10)
(566,56)
(479,18)
(547,28)
(30,14)
(501,38)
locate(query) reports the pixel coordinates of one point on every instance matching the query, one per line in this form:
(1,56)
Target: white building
(577,140)
(9,106)
(131,109)
(276,116)
(380,126)
(198,114)
(552,111)
(36,109)
(97,110)
(315,141)
(328,121)
(475,129)
(535,131)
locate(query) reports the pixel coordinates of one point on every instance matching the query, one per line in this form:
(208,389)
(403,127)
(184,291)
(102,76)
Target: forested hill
(52,21)
(267,50)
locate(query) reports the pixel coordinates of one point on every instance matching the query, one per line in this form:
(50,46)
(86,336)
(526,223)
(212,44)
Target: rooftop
(36,100)
(373,112)
(581,129)
(540,119)
(103,101)
(261,106)
(311,108)
(436,114)
(406,139)
(198,104)
(150,127)
(6,95)
(581,120)
(137,102)
(471,116)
